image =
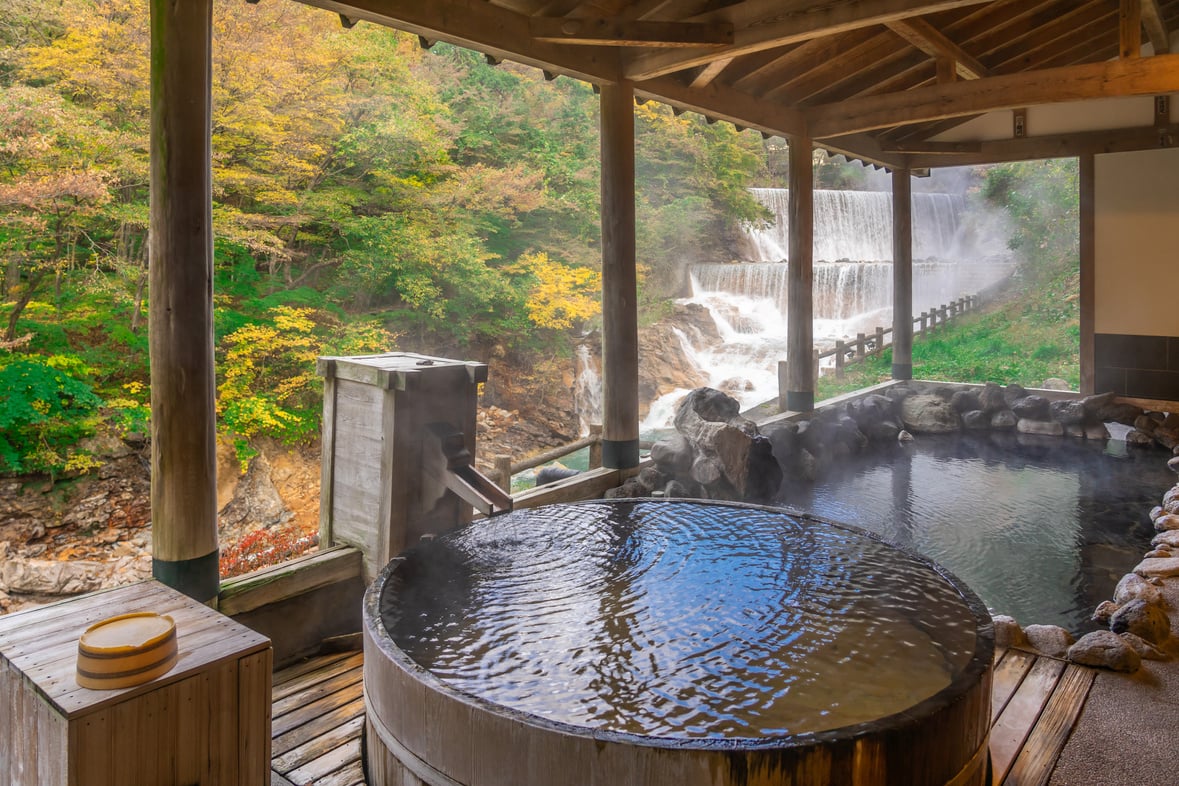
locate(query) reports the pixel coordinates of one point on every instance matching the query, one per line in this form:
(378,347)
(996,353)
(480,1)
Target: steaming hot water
(681,620)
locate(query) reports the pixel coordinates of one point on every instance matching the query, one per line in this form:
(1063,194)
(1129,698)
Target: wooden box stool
(207,721)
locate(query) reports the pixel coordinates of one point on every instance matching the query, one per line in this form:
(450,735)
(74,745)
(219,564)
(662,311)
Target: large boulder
(1032,408)
(991,398)
(1143,619)
(926,414)
(1134,587)
(1070,412)
(672,454)
(876,417)
(1049,639)
(727,447)
(1044,428)
(965,401)
(1105,650)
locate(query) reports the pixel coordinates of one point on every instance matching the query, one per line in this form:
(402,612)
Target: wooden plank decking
(319,714)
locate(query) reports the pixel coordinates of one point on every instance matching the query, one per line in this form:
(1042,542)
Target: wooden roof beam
(621,32)
(1156,26)
(486,28)
(767,24)
(932,42)
(1056,146)
(719,103)
(1136,76)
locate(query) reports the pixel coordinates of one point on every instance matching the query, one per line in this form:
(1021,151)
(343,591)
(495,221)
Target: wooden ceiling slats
(801,59)
(791,56)
(846,51)
(1015,56)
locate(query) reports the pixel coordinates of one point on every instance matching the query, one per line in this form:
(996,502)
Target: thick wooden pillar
(902,274)
(620,325)
(1087,295)
(800,374)
(183,422)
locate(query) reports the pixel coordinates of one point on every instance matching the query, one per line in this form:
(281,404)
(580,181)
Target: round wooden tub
(672,642)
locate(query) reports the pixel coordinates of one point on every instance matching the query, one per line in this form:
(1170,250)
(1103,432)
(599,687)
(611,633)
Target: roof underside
(894,82)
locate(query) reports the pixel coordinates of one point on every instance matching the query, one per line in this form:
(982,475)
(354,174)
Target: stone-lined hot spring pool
(1041,528)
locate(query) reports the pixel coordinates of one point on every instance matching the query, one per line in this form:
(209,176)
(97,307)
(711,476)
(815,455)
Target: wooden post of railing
(503,466)
(879,341)
(859,346)
(815,366)
(961,306)
(942,313)
(924,322)
(595,449)
(840,358)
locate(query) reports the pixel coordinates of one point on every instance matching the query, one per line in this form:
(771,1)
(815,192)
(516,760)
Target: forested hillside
(368,195)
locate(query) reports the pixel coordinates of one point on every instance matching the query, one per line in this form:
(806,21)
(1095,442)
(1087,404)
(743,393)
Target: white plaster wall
(1137,243)
(1071,117)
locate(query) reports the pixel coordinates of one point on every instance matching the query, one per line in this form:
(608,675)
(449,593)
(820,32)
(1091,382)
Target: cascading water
(957,251)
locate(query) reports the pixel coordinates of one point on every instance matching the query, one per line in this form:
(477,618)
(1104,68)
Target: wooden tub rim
(979,664)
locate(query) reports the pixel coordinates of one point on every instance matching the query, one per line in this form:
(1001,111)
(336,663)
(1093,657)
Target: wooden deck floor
(319,712)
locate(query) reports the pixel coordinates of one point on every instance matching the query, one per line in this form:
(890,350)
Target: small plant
(44,410)
(265,547)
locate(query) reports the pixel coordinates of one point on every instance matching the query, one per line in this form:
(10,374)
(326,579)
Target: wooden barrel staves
(422,730)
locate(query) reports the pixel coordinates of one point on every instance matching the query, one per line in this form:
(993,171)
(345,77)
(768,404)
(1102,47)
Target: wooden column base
(800,400)
(198,578)
(620,453)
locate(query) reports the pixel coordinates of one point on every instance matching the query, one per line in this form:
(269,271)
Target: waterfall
(957,251)
(587,392)
(857,225)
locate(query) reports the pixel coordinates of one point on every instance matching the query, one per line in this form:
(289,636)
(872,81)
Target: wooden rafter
(1138,76)
(709,72)
(1156,26)
(484,27)
(722,104)
(766,24)
(1130,28)
(620,32)
(932,42)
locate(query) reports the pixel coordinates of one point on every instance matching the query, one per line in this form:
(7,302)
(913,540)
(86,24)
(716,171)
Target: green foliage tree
(1042,198)
(45,408)
(361,188)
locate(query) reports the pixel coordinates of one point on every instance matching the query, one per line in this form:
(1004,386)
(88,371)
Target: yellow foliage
(562,295)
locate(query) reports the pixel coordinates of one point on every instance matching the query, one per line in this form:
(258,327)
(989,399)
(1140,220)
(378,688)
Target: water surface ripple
(679,619)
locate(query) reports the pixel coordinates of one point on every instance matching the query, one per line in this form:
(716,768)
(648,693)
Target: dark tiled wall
(1141,366)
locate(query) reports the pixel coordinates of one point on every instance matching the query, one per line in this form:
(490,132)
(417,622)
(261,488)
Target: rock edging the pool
(716,453)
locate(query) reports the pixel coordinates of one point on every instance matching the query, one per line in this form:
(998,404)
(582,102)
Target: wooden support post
(840,358)
(503,468)
(184,417)
(879,351)
(620,326)
(595,449)
(924,321)
(1087,295)
(861,339)
(902,275)
(1130,28)
(800,390)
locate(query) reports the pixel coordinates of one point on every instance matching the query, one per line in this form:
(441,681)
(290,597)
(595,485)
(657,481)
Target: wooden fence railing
(845,353)
(505,468)
(870,344)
